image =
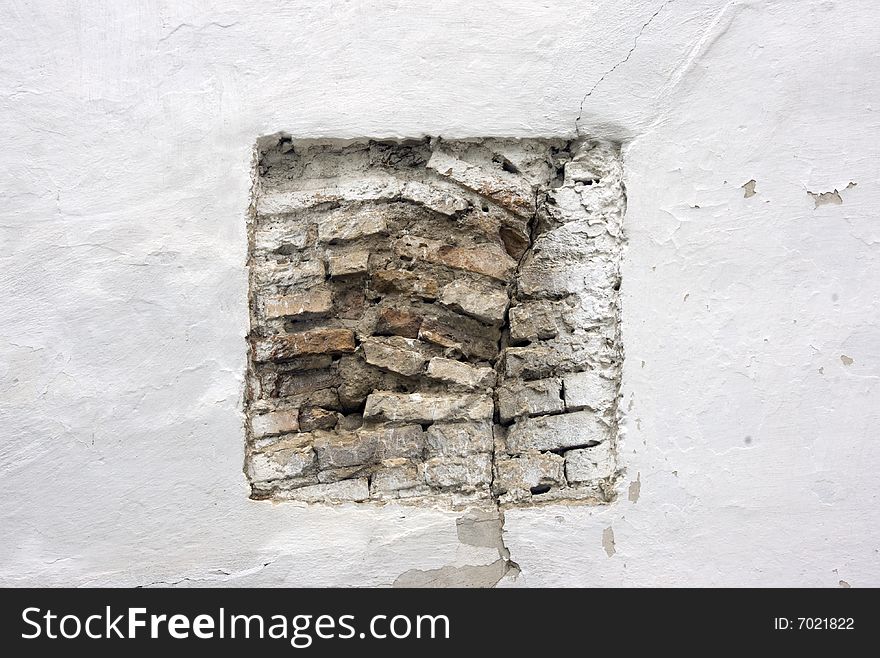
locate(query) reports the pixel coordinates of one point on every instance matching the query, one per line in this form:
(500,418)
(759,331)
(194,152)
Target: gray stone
(590,464)
(588,389)
(483,302)
(428,407)
(394,475)
(275,422)
(392,442)
(528,471)
(458,439)
(344,490)
(344,449)
(280,464)
(317,302)
(557,432)
(347,224)
(462,375)
(395,353)
(540,396)
(468,472)
(533,321)
(348,264)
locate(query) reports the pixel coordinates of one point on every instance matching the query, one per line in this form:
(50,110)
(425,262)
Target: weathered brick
(533,321)
(556,432)
(401,355)
(532,362)
(336,450)
(317,341)
(588,389)
(468,472)
(458,439)
(489,259)
(344,490)
(483,302)
(315,418)
(398,322)
(350,224)
(528,471)
(280,464)
(410,283)
(589,464)
(394,475)
(540,396)
(391,442)
(428,408)
(508,191)
(348,264)
(282,273)
(468,340)
(317,302)
(461,375)
(274,422)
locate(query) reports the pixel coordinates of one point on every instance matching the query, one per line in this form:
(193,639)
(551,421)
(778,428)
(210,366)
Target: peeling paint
(844,584)
(825,198)
(608,541)
(635,489)
(846,360)
(486,575)
(749,188)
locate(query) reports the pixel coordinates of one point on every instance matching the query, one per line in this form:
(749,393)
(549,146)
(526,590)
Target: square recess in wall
(434,321)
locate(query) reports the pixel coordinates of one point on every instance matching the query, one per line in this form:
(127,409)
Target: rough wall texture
(128,130)
(435,320)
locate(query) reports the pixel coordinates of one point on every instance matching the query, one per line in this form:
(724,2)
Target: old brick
(588,389)
(461,375)
(471,341)
(528,471)
(350,224)
(458,439)
(392,442)
(398,322)
(394,475)
(344,490)
(348,264)
(468,472)
(589,464)
(280,464)
(315,418)
(401,355)
(532,362)
(533,321)
(489,259)
(556,432)
(428,408)
(483,302)
(317,302)
(344,473)
(297,383)
(282,273)
(507,190)
(317,341)
(345,449)
(540,396)
(274,422)
(409,283)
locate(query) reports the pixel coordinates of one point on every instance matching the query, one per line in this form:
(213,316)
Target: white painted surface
(126,143)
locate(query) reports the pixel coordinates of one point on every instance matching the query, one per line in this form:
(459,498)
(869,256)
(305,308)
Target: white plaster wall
(125,143)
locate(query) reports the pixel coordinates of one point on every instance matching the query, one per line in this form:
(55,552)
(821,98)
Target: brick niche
(434,321)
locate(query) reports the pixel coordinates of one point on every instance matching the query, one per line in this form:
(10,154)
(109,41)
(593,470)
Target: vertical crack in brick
(434,321)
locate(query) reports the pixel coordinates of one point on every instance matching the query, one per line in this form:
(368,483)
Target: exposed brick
(540,396)
(458,439)
(352,490)
(317,341)
(406,282)
(589,464)
(401,355)
(427,408)
(588,389)
(315,418)
(335,450)
(348,264)
(533,321)
(394,475)
(316,302)
(274,422)
(281,464)
(556,432)
(528,471)
(483,302)
(398,322)
(489,259)
(461,375)
(468,472)
(352,223)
